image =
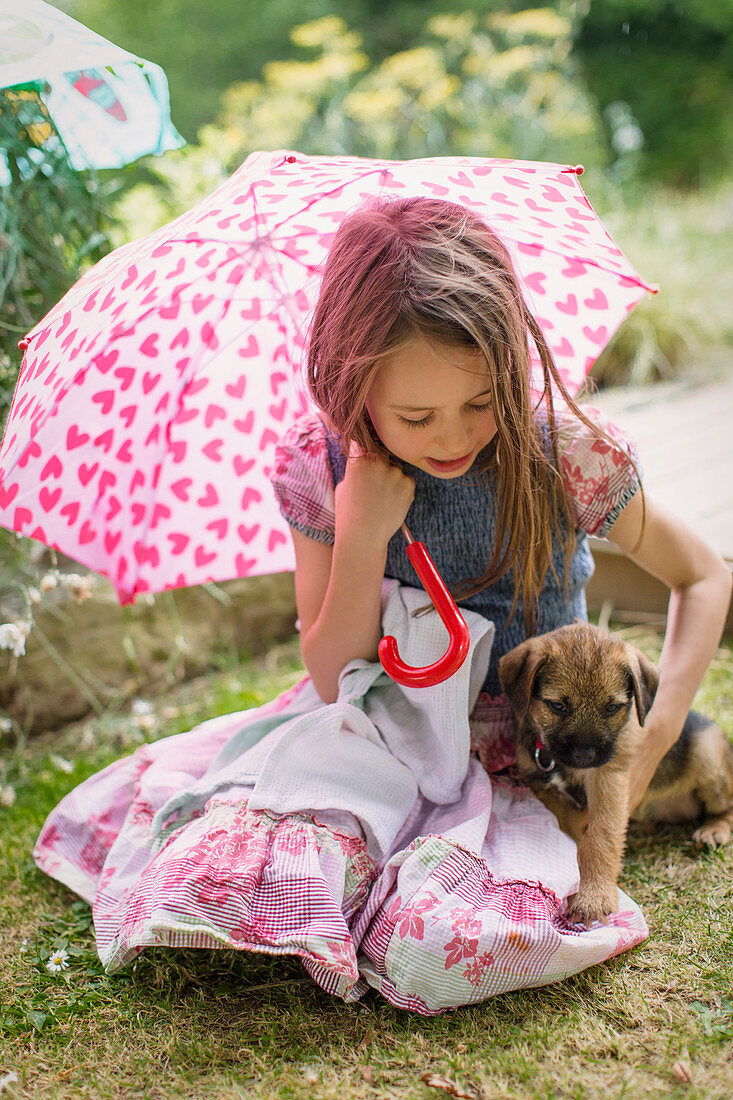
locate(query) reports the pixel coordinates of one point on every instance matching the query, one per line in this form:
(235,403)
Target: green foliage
(680,243)
(206,47)
(202,47)
(502,86)
(671,63)
(52,225)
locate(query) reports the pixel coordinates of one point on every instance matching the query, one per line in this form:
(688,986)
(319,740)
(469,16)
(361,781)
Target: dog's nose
(583,755)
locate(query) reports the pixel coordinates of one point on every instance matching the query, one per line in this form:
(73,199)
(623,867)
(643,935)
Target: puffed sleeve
(302,480)
(600,476)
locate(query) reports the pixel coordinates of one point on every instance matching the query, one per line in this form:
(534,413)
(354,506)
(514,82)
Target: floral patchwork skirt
(469,903)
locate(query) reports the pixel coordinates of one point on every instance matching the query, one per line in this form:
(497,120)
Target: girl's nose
(454,439)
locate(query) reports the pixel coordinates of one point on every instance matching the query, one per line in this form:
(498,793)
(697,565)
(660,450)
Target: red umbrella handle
(454,622)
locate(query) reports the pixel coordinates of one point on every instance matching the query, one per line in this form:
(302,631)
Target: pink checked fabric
(362,837)
(142,431)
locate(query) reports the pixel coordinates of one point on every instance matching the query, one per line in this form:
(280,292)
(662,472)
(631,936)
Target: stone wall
(83,657)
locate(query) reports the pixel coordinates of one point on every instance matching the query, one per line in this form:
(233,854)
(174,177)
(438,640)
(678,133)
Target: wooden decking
(684,433)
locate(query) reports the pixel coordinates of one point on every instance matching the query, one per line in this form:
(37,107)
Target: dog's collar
(542,758)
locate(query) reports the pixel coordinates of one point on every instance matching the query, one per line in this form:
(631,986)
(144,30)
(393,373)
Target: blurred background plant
(512,83)
(54,224)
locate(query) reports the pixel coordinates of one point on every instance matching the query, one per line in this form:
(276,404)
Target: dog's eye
(557,706)
(613,708)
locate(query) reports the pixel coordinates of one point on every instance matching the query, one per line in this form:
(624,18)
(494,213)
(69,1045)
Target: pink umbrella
(140,439)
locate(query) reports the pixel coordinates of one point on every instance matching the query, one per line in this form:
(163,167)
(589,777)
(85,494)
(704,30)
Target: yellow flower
(413,68)
(478,61)
(329,32)
(508,62)
(438,92)
(534,22)
(457,28)
(319,31)
(374,104)
(278,121)
(239,97)
(305,77)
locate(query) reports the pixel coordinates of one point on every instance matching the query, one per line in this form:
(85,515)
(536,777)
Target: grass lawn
(655,1022)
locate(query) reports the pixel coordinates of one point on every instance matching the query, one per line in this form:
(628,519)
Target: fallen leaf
(366,1041)
(683,1072)
(435,1081)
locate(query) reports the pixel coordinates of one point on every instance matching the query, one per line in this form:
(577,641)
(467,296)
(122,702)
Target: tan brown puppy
(580,697)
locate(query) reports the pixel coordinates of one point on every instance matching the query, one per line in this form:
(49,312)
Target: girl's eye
(426,419)
(417,423)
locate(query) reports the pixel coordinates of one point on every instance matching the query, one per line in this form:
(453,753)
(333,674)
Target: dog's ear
(644,680)
(517,671)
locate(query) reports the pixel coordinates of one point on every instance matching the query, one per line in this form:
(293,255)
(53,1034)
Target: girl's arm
(700,588)
(337,589)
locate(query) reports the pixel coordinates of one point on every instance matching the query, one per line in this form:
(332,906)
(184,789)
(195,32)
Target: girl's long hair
(402,268)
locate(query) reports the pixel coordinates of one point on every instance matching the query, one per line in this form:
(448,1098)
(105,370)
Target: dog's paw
(592,903)
(713,834)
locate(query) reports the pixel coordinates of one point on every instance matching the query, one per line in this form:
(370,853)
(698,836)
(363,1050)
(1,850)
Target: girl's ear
(517,672)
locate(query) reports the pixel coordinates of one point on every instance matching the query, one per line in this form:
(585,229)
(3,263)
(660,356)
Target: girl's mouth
(449,467)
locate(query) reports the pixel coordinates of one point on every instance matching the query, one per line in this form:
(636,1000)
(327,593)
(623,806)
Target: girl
(348,822)
(420,362)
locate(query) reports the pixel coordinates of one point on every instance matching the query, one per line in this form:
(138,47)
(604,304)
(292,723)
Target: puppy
(580,697)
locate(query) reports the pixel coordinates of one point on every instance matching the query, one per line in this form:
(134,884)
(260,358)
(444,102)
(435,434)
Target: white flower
(57,961)
(48,582)
(7,795)
(80,587)
(61,763)
(13,636)
(141,707)
(7,1080)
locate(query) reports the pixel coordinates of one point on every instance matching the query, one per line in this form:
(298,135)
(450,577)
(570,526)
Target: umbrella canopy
(141,435)
(108,106)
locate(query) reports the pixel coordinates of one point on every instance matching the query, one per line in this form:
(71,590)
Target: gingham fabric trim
(426,951)
(599,477)
(244,879)
(303,482)
(492,732)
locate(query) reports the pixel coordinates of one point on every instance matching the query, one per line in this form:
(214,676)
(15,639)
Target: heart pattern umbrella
(141,436)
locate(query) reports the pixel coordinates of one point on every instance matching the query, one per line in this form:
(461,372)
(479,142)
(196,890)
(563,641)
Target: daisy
(57,961)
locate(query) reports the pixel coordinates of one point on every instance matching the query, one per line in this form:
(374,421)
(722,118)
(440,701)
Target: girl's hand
(373,498)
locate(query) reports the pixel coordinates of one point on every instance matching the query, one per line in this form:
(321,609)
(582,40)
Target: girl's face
(430,405)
